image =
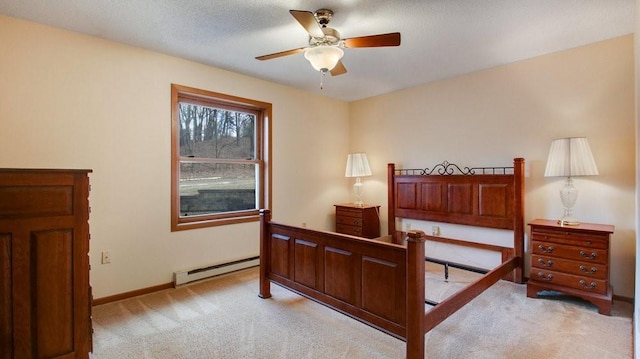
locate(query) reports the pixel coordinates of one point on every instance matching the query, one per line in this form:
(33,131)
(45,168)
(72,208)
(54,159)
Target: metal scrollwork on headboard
(446,168)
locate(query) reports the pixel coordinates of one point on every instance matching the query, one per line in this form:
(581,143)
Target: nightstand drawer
(587,255)
(591,285)
(574,239)
(352,230)
(590,270)
(345,212)
(351,221)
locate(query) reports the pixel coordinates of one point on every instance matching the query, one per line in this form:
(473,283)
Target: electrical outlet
(106,257)
(435,230)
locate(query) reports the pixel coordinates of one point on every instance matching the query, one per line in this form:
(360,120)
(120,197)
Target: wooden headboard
(490,197)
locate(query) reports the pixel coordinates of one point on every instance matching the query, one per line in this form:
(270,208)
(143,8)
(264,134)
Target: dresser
(45,297)
(358,221)
(573,260)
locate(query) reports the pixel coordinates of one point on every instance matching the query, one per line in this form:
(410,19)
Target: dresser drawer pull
(548,263)
(592,271)
(545,277)
(545,249)
(592,285)
(589,256)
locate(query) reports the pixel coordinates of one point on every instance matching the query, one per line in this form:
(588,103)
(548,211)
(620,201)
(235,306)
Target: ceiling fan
(325,45)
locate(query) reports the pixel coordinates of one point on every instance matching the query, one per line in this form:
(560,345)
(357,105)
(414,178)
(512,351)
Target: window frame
(262,156)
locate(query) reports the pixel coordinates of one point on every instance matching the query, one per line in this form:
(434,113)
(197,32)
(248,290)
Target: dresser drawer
(351,221)
(585,240)
(586,255)
(352,230)
(590,270)
(591,285)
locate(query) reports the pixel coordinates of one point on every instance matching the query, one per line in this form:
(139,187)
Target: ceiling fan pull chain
(322,80)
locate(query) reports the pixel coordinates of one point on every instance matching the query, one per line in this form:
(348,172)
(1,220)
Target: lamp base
(358,187)
(568,195)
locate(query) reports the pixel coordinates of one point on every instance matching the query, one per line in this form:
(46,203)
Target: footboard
(377,282)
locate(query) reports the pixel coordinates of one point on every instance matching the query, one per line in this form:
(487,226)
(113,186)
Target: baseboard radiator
(191,275)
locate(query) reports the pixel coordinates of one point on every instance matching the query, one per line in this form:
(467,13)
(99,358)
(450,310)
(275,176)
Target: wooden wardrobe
(45,309)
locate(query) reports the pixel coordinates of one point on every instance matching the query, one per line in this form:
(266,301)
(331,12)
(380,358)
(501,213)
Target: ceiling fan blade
(280,54)
(390,39)
(308,21)
(339,69)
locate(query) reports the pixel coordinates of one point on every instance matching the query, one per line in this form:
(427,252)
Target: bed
(381,281)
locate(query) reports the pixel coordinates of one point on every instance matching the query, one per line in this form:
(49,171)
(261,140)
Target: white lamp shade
(569,157)
(324,58)
(357,165)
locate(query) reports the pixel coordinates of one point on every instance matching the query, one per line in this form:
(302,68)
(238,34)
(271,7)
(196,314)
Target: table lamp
(570,157)
(357,166)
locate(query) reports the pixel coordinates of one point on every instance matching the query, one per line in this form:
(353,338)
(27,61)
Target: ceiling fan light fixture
(324,58)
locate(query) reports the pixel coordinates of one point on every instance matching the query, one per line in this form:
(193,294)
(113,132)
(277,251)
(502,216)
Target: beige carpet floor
(223,318)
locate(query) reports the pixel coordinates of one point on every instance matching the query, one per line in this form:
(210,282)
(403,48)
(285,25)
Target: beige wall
(72,101)
(490,117)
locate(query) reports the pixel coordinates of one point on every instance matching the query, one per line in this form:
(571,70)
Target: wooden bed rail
(456,301)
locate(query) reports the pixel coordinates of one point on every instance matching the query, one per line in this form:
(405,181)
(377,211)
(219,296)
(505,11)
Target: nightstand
(358,221)
(573,260)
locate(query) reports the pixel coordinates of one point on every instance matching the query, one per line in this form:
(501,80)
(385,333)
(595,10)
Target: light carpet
(224,318)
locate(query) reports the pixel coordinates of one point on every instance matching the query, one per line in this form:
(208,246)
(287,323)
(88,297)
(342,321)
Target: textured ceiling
(440,38)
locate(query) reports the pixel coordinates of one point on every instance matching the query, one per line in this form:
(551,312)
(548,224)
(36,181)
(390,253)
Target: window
(220,146)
